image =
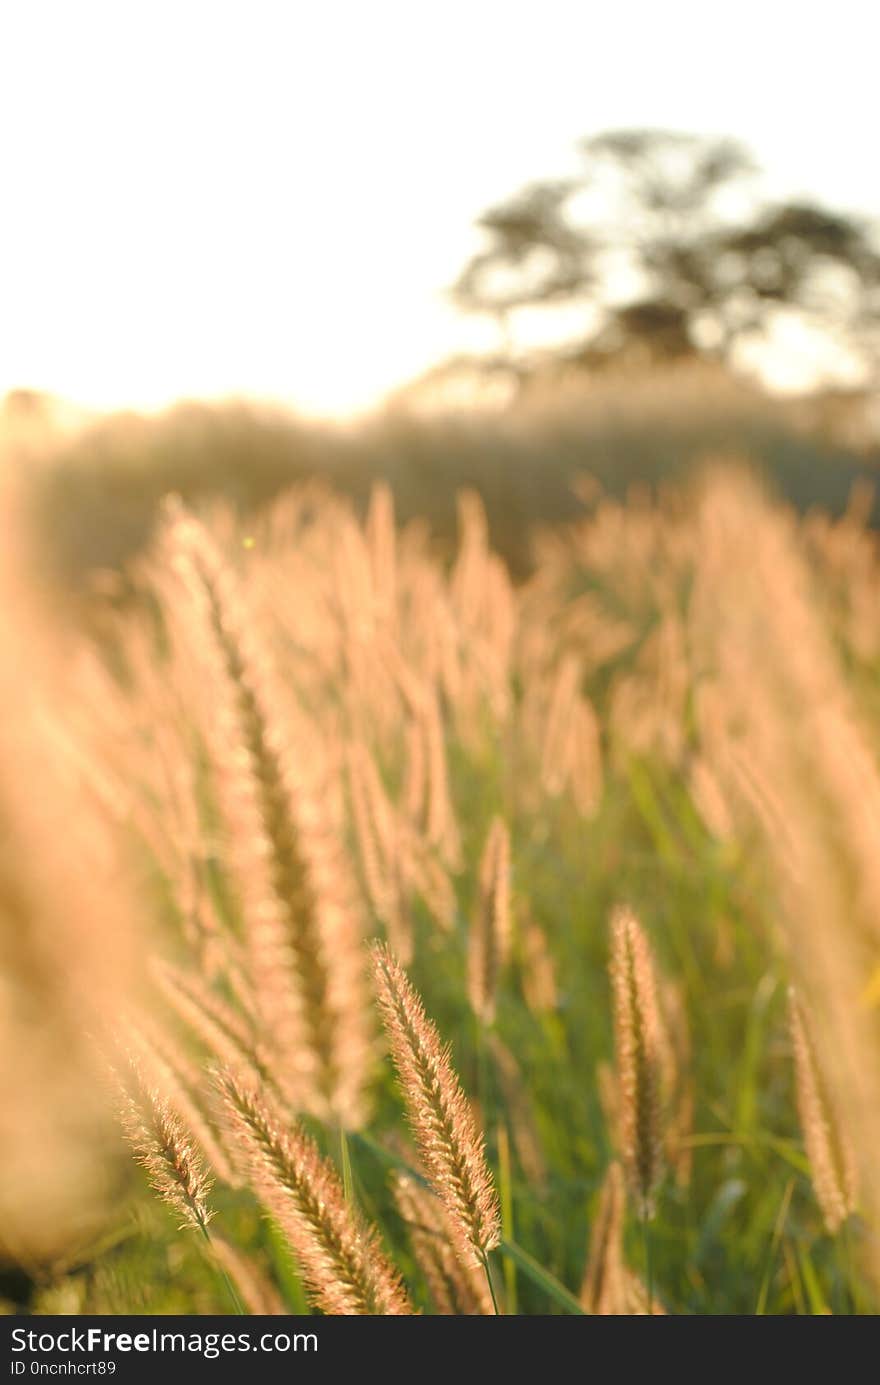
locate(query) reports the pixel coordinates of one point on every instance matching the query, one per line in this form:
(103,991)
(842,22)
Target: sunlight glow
(270,199)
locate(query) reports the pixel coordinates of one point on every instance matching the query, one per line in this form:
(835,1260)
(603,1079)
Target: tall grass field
(387,934)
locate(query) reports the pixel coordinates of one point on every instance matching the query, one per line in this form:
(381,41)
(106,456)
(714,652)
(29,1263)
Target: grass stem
(649,1266)
(345,1161)
(486,1266)
(233,1292)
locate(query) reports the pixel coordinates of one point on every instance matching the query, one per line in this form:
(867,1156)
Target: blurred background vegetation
(643,310)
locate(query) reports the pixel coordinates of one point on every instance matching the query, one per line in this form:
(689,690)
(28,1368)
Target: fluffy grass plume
(303,931)
(831,1159)
(640,1050)
(345,1268)
(490,931)
(604,1286)
(182,1086)
(439,1114)
(164,1148)
(378,838)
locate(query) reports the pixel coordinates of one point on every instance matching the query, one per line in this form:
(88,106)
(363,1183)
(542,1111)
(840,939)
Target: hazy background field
(92,488)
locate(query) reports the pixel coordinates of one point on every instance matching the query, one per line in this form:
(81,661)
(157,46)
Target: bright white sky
(269,199)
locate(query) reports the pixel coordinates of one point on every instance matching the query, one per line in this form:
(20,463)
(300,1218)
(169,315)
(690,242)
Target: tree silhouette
(660,248)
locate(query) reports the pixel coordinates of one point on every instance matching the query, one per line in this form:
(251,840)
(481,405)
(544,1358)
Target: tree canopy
(660,247)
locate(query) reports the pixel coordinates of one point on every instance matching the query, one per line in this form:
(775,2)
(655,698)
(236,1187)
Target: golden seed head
(489,943)
(640,1050)
(832,1162)
(342,1261)
(439,1113)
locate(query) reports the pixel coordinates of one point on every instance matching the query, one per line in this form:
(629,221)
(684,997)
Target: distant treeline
(94,498)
